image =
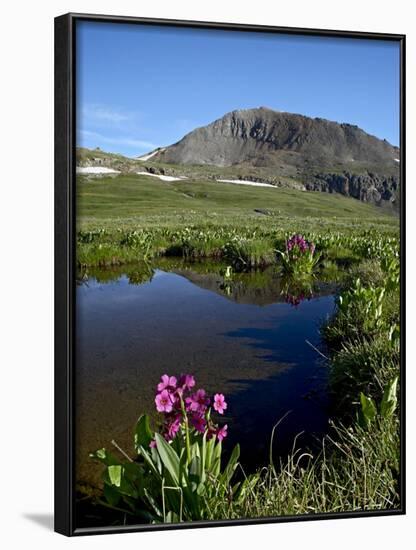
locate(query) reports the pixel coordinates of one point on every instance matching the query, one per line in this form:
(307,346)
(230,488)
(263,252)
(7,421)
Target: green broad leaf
(169,458)
(142,433)
(199,455)
(133,471)
(393,331)
(172,517)
(112,495)
(389,401)
(118,479)
(154,455)
(195,474)
(368,409)
(195,450)
(114,474)
(191,500)
(183,473)
(152,459)
(201,489)
(236,489)
(152,503)
(231,466)
(203,457)
(209,453)
(105,457)
(216,459)
(195,468)
(173,498)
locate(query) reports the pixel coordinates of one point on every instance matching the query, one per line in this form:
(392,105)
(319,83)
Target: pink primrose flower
(199,423)
(167,382)
(222,432)
(186,381)
(164,402)
(198,402)
(219,403)
(173,428)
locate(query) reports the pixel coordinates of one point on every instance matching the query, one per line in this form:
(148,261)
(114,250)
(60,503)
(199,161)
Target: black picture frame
(65,263)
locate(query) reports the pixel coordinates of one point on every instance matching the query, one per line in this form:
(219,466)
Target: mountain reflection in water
(245,336)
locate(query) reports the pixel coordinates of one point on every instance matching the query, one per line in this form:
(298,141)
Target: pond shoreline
(223,325)
(342,259)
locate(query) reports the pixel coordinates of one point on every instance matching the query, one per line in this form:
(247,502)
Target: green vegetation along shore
(128,219)
(124,219)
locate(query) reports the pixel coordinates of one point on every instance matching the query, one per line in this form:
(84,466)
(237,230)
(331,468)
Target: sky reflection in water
(248,344)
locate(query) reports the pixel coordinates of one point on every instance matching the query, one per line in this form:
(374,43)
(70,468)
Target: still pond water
(247,339)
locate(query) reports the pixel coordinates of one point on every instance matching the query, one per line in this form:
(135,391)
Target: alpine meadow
(238,277)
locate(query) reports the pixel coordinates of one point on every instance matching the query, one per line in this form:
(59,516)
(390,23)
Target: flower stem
(187,440)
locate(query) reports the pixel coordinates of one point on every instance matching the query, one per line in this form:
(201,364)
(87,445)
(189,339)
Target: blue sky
(140,87)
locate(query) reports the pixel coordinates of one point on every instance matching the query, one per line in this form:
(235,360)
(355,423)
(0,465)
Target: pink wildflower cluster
(180,403)
(294,300)
(298,244)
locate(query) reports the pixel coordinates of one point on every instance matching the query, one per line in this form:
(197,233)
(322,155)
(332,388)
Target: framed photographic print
(229,281)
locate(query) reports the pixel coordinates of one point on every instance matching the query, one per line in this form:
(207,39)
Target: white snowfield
(150,155)
(248,182)
(96,170)
(397,160)
(161,176)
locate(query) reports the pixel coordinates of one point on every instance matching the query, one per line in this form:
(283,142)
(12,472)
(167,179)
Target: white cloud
(108,126)
(117,140)
(100,115)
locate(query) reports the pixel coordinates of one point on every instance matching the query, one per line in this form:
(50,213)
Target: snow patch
(150,155)
(161,176)
(96,170)
(248,182)
(397,160)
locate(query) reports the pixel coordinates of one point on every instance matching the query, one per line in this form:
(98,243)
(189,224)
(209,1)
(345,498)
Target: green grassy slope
(144,200)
